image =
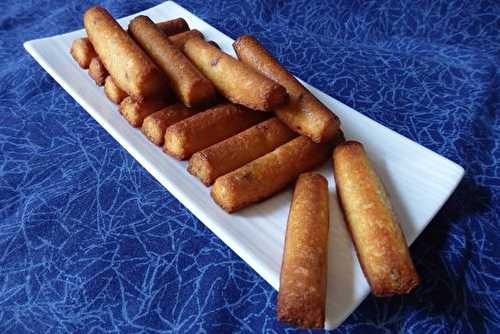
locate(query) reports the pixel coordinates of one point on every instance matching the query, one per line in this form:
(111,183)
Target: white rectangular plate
(418,180)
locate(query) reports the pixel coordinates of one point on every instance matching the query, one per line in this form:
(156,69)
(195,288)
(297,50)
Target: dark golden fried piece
(233,79)
(302,293)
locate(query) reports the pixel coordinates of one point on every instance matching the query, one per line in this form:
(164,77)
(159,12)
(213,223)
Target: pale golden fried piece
(303,113)
(155,125)
(233,79)
(207,128)
(97,71)
(132,70)
(135,111)
(302,292)
(265,176)
(190,86)
(112,91)
(234,152)
(83,52)
(378,239)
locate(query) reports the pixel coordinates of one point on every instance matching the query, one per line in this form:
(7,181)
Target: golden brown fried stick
(132,70)
(304,113)
(378,239)
(155,125)
(112,91)
(97,71)
(265,176)
(83,52)
(235,80)
(302,292)
(190,86)
(135,111)
(207,128)
(173,27)
(180,39)
(234,152)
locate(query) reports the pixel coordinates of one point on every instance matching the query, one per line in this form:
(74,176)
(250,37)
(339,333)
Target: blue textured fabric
(91,243)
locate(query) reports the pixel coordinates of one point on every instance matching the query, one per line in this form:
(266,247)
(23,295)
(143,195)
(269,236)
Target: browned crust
(207,128)
(155,125)
(302,293)
(189,84)
(303,113)
(127,63)
(234,152)
(112,91)
(97,71)
(236,81)
(378,239)
(135,111)
(267,175)
(83,52)
(173,27)
(180,39)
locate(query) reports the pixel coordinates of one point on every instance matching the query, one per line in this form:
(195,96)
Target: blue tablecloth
(91,243)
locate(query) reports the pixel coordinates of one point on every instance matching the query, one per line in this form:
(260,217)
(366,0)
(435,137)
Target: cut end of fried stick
(83,52)
(112,91)
(173,27)
(97,71)
(378,239)
(180,39)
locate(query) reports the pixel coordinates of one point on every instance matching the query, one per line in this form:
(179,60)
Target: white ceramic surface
(418,180)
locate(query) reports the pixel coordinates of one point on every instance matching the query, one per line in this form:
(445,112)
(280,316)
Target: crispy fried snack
(132,70)
(173,27)
(235,80)
(112,91)
(97,71)
(207,128)
(135,111)
(180,39)
(234,152)
(83,52)
(155,125)
(378,239)
(302,293)
(265,176)
(190,86)
(304,113)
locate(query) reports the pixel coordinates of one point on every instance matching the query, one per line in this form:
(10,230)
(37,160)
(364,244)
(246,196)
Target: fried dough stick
(378,239)
(236,81)
(132,70)
(112,91)
(155,125)
(207,128)
(265,176)
(302,292)
(234,152)
(304,113)
(83,52)
(190,86)
(135,111)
